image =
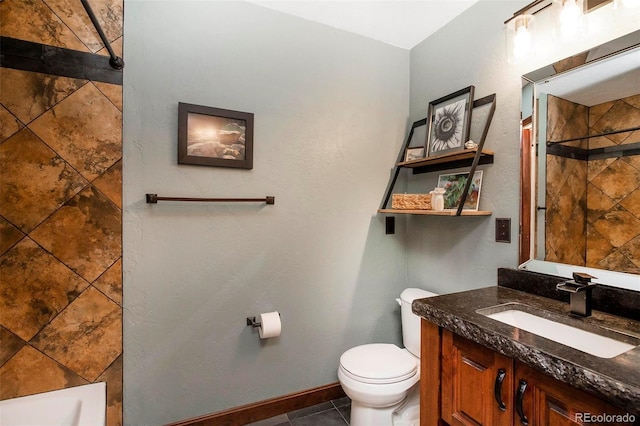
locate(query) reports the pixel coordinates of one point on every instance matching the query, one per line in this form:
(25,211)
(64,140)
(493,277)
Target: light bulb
(520,38)
(569,18)
(521,42)
(629,4)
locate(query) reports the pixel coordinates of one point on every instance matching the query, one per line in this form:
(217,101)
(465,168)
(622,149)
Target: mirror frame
(528,167)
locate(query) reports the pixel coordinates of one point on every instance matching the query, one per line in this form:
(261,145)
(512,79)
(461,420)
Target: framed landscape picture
(449,121)
(218,137)
(454,184)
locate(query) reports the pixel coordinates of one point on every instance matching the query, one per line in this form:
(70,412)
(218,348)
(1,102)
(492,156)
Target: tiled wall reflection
(60,210)
(611,187)
(613,192)
(566,185)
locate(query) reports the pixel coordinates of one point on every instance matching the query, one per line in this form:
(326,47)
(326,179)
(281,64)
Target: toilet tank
(411,321)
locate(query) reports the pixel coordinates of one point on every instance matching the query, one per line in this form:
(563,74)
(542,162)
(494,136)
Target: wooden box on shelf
(411,201)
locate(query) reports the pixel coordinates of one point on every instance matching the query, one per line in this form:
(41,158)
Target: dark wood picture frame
(449,121)
(216,137)
(414,153)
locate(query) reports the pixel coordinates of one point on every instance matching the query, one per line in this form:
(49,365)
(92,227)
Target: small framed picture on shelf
(449,122)
(414,154)
(454,183)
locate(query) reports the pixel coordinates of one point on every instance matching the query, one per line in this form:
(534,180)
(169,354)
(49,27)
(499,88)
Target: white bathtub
(77,406)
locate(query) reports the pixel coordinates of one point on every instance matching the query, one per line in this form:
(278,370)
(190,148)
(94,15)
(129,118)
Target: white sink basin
(582,340)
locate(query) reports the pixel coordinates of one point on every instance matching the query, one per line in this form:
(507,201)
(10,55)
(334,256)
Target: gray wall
(454,254)
(331,112)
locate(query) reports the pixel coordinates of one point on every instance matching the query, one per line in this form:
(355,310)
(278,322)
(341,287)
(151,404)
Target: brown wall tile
(617,180)
(113,377)
(36,180)
(86,337)
(620,116)
(34,288)
(112,91)
(29,94)
(110,283)
(74,16)
(9,124)
(33,20)
(85,129)
(85,234)
(110,184)
(9,235)
(10,344)
(30,372)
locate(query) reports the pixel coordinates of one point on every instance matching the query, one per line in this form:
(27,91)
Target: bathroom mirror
(583,115)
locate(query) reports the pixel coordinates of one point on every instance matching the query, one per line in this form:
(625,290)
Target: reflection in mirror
(586,125)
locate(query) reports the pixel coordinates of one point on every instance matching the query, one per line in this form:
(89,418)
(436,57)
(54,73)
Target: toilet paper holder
(253,323)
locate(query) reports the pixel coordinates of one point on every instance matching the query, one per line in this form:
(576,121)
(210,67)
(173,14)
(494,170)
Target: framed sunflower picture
(449,121)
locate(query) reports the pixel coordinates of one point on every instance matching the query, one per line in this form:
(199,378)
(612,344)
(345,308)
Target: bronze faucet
(580,292)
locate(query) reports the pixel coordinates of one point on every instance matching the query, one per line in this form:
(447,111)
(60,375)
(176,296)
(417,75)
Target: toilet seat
(378,363)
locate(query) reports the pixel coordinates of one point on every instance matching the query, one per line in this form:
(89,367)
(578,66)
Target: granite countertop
(616,380)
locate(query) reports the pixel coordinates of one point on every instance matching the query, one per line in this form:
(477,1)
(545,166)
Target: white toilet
(382,379)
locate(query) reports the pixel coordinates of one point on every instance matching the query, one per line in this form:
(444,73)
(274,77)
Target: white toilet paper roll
(270,325)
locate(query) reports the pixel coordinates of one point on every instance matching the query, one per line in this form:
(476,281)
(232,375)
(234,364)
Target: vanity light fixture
(565,20)
(569,18)
(520,32)
(520,38)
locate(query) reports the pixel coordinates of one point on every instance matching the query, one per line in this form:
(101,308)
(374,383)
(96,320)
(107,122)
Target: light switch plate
(503,230)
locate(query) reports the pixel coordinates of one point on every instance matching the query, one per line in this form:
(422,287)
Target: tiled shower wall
(613,190)
(566,201)
(601,197)
(60,210)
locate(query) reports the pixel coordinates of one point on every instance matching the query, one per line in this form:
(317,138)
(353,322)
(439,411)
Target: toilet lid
(378,363)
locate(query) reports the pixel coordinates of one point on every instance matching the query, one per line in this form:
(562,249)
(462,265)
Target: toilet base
(405,413)
(362,415)
(408,414)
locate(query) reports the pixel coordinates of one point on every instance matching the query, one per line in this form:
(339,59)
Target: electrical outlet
(503,230)
(390,224)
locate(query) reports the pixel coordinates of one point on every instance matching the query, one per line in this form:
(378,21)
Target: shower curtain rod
(115,61)
(612,132)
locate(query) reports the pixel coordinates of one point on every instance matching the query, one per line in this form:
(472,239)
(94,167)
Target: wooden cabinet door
(549,402)
(474,380)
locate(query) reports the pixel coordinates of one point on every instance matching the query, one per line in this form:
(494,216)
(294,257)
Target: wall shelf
(470,158)
(447,161)
(435,213)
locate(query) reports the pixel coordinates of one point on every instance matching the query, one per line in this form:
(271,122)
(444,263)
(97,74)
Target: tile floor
(332,413)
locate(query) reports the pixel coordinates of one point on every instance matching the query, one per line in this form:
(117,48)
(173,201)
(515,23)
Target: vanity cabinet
(469,384)
(467,368)
(546,401)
